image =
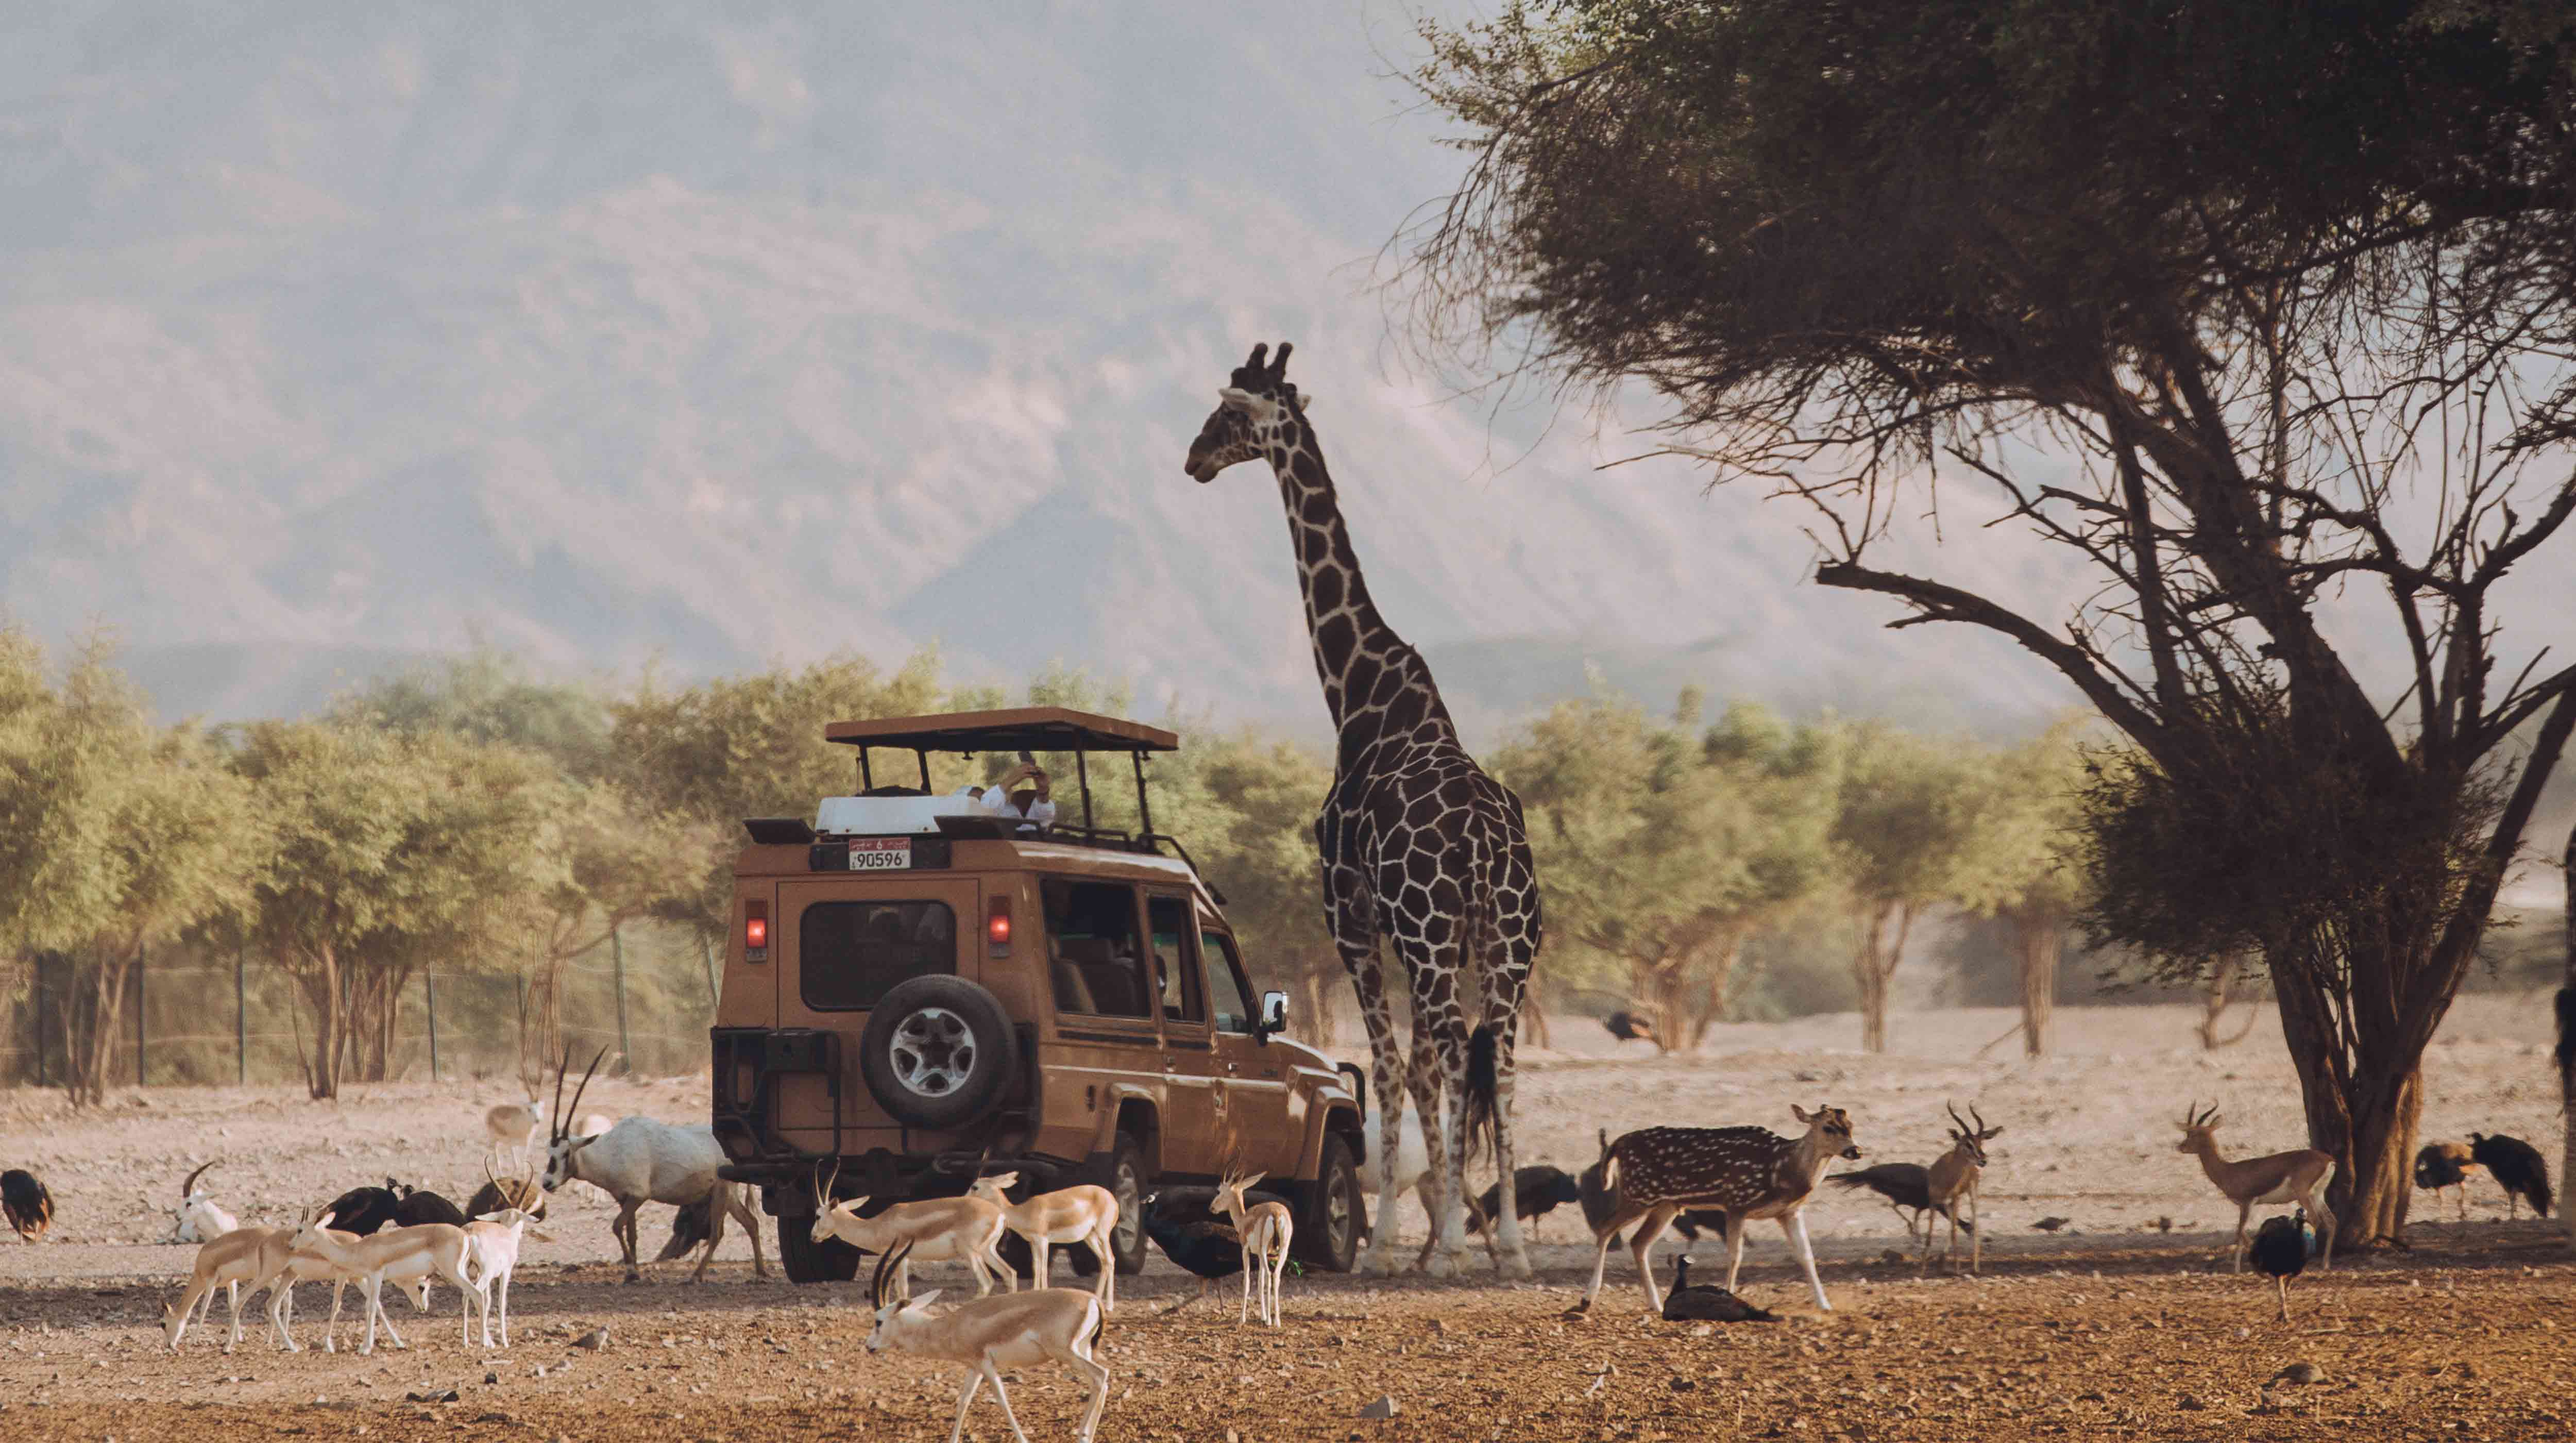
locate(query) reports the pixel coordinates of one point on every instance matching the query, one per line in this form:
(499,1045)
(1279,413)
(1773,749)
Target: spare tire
(937,1052)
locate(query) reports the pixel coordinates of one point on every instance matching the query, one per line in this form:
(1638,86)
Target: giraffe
(1416,842)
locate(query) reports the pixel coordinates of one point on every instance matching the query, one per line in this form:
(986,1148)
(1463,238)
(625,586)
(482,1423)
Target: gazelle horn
(190,1185)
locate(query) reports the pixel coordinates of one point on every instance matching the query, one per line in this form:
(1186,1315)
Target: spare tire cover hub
(933,1051)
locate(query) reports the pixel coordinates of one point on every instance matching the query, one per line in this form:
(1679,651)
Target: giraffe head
(1256,412)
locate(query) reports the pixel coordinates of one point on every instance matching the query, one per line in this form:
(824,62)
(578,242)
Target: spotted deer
(2297,1176)
(1952,1181)
(1746,1172)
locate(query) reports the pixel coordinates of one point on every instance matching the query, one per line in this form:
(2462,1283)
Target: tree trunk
(2042,942)
(1874,967)
(2362,1091)
(2567,1048)
(322,989)
(1721,956)
(2215,999)
(93,1024)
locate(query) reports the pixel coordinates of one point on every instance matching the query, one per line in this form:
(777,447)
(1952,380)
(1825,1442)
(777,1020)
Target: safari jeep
(918,991)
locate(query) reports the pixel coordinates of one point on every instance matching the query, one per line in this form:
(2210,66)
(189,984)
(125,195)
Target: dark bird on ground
(690,1224)
(2440,1165)
(1701,1303)
(2281,1248)
(2516,1166)
(1203,1245)
(1629,1027)
(364,1210)
(26,1204)
(416,1205)
(1537,1190)
(1907,1186)
(2050,1225)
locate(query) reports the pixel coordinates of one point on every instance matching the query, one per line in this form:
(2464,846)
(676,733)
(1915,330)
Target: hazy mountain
(333,335)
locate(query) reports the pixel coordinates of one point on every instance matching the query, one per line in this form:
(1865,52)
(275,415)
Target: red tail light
(755,931)
(997,927)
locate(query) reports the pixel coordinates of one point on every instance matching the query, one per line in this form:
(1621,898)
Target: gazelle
(1746,1172)
(989,1334)
(516,1126)
(491,1255)
(940,1229)
(1265,1229)
(2298,1176)
(397,1255)
(1083,1214)
(253,1256)
(1951,1180)
(301,1267)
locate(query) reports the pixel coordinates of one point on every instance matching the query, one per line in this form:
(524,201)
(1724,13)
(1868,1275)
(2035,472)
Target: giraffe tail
(1484,1079)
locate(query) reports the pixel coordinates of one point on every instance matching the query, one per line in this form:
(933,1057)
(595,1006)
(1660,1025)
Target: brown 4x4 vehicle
(922,991)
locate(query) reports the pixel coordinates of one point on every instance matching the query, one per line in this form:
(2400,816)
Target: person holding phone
(1032,806)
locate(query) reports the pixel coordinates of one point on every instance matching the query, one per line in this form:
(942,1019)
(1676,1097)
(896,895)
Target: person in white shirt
(1032,806)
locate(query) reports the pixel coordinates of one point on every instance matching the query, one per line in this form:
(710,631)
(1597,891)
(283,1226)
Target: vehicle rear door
(1262,1111)
(844,942)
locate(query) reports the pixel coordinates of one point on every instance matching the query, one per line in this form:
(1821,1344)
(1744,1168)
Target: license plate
(880,854)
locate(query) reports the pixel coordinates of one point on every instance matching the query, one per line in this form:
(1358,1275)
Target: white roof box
(888,816)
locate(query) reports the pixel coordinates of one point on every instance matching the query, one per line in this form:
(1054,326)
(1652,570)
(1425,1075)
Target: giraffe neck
(1375,684)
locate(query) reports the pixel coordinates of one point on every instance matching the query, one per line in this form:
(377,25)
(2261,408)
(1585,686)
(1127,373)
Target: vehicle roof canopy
(1027,728)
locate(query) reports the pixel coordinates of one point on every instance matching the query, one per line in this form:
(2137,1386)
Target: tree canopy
(2246,307)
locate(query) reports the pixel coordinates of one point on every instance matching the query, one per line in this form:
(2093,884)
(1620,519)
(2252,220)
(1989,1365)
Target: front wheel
(1331,1221)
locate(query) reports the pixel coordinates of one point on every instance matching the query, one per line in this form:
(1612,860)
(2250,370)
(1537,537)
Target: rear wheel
(1331,1219)
(937,1052)
(807,1261)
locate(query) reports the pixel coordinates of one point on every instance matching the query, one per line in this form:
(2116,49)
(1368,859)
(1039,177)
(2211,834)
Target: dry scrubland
(2106,1329)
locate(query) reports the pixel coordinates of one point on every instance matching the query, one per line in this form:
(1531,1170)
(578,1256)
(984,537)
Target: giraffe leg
(1422,1080)
(1350,914)
(1505,1230)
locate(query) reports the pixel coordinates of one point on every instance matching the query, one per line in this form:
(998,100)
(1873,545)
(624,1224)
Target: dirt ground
(2120,1323)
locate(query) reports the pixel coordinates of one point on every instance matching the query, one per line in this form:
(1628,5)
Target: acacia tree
(1904,824)
(115,836)
(2026,866)
(2255,311)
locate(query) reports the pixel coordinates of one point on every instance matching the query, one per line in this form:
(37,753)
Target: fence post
(617,963)
(429,985)
(241,1016)
(44,1010)
(708,959)
(138,1017)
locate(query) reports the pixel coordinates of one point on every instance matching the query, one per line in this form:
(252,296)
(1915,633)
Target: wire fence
(193,1018)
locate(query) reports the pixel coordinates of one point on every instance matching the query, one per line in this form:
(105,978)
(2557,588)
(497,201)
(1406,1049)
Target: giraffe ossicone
(1416,843)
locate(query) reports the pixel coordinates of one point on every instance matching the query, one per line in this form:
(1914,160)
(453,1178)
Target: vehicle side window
(1226,988)
(849,954)
(1095,956)
(1170,919)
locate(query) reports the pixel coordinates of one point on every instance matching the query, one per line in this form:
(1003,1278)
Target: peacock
(2516,1166)
(2281,1248)
(1688,1303)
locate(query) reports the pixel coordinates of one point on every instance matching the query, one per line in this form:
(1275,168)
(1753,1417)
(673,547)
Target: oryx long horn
(190,1185)
(587,1074)
(560,1069)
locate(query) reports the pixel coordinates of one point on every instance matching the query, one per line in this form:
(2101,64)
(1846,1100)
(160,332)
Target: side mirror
(1274,1015)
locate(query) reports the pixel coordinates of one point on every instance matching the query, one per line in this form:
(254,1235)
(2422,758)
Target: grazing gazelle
(966,1229)
(1952,1180)
(1084,1214)
(1745,1172)
(2298,1176)
(1265,1229)
(989,1334)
